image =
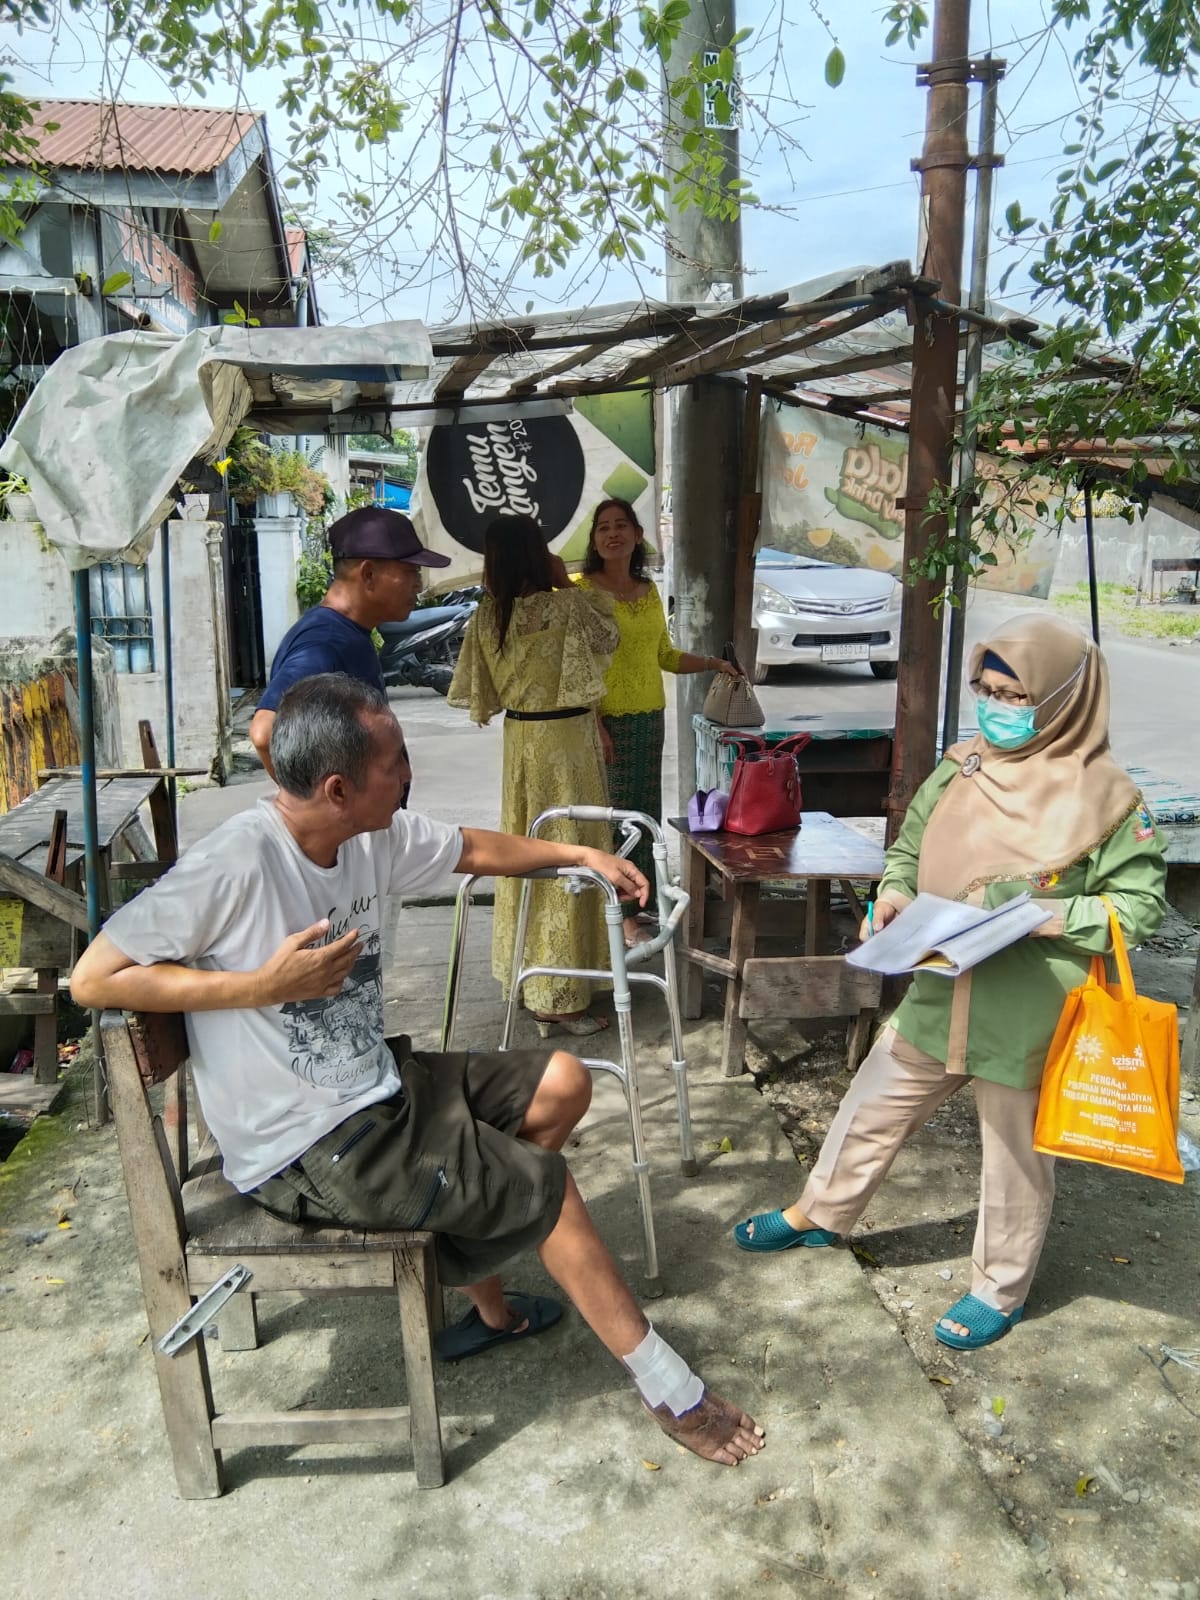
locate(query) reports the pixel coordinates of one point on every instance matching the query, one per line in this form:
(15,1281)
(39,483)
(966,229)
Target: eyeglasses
(1004,697)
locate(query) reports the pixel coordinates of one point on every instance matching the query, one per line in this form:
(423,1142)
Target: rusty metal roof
(100,135)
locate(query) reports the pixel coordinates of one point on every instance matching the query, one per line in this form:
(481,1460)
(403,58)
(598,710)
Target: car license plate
(845,652)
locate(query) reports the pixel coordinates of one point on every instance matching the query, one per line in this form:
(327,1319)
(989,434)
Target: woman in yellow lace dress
(538,648)
(632,721)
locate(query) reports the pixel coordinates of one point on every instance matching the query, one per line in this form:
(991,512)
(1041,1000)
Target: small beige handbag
(731,702)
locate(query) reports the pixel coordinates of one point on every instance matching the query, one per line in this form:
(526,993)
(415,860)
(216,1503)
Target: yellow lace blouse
(557,648)
(634,681)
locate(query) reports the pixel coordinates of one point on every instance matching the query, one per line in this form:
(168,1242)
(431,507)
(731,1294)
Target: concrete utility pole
(704,262)
(943,167)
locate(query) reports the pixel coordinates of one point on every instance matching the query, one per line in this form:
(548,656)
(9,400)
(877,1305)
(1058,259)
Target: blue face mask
(1006,727)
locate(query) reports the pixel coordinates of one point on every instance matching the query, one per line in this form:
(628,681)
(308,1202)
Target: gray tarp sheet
(115,421)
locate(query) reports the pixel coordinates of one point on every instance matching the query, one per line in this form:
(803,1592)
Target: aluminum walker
(672,904)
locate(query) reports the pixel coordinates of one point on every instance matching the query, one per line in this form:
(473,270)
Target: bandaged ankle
(662,1375)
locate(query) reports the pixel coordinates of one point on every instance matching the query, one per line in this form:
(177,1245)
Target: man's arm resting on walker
(508,855)
(106,977)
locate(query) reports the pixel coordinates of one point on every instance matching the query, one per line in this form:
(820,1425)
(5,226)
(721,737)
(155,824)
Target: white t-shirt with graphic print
(272,1081)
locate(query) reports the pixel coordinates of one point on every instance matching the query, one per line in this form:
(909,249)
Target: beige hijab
(1032,812)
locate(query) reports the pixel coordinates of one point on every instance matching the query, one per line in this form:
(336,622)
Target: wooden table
(39,918)
(822,851)
(25,830)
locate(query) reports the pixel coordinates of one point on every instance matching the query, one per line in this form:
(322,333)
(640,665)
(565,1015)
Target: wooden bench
(190,1226)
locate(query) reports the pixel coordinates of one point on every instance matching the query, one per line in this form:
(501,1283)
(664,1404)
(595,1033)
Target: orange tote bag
(1110,1088)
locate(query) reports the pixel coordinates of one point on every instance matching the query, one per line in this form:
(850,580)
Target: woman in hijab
(1033,804)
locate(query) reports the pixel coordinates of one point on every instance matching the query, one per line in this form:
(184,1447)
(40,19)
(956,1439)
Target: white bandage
(662,1375)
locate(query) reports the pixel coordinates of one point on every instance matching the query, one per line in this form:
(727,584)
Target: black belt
(547,716)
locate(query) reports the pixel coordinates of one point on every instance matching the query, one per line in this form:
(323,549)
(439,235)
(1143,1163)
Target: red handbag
(764,796)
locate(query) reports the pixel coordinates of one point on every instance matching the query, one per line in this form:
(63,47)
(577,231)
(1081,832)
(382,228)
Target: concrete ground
(559,1486)
(876,1480)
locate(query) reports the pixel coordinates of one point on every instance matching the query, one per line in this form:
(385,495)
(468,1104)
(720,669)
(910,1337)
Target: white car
(816,611)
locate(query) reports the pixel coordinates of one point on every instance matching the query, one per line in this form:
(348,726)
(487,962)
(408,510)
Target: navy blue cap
(373,533)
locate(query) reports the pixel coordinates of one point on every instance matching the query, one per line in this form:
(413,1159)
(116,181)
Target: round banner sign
(510,467)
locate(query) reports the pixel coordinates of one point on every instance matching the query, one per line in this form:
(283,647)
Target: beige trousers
(897,1089)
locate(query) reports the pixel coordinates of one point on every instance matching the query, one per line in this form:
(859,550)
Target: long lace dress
(555,656)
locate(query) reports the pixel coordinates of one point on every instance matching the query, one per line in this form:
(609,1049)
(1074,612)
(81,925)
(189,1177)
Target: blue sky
(846,198)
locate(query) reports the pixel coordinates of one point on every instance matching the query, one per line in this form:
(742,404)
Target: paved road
(1155,695)
(1156,724)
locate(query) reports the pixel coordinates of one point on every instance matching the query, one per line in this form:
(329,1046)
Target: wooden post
(745,639)
(943,166)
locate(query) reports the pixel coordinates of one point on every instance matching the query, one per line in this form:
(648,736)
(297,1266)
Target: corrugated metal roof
(101,135)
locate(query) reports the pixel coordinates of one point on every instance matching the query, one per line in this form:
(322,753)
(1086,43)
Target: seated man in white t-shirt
(267,936)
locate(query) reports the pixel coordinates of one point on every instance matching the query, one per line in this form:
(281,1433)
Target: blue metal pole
(87,747)
(168,658)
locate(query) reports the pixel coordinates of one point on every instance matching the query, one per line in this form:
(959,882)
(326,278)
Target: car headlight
(768,599)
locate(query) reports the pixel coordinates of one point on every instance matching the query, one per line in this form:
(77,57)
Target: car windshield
(780,560)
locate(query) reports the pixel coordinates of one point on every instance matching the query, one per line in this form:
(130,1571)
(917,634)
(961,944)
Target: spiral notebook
(945,936)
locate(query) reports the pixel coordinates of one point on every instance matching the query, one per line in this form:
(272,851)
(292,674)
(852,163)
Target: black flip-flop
(471,1336)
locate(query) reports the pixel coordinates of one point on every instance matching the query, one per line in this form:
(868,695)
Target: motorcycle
(422,651)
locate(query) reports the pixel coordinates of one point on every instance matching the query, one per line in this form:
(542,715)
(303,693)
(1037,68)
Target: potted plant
(16,499)
(275,478)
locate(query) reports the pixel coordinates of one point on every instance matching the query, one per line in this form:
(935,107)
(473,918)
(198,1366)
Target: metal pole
(1090,532)
(168,659)
(943,166)
(704,263)
(990,71)
(87,747)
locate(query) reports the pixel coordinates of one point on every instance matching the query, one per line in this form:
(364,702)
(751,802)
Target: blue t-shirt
(322,641)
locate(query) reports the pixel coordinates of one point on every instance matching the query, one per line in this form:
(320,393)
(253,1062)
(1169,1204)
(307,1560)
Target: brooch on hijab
(971,765)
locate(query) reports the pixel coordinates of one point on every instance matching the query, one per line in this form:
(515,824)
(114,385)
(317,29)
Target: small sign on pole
(722,101)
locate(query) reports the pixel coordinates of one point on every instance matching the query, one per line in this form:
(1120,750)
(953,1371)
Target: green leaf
(215,229)
(997,1406)
(835,67)
(118,281)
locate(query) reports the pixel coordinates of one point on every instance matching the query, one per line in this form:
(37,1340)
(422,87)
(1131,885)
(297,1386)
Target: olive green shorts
(443,1155)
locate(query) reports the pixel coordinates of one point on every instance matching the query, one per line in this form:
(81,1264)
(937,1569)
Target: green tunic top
(1014,998)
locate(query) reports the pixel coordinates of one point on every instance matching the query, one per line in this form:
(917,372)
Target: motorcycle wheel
(437,678)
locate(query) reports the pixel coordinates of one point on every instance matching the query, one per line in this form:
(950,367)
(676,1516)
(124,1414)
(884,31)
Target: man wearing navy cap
(377,562)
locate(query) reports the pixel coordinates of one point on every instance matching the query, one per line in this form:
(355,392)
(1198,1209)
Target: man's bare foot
(715,1429)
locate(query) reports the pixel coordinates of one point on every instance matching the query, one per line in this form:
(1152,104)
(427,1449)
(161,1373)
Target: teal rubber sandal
(471,1336)
(985,1322)
(771,1232)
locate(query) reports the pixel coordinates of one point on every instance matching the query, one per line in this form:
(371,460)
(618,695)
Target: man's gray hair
(319,732)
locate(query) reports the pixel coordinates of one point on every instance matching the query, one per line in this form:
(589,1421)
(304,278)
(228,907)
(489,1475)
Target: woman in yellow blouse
(537,649)
(631,712)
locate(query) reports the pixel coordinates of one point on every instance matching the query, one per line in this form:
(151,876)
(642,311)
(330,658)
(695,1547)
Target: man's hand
(623,875)
(303,970)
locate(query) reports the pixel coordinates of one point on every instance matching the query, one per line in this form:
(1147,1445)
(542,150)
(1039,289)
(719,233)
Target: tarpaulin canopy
(115,421)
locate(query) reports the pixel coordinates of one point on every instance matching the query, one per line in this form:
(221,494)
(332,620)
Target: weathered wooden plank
(806,986)
(413,1270)
(34,887)
(311,1274)
(21,1003)
(237,1322)
(721,965)
(741,949)
(371,1425)
(182,1379)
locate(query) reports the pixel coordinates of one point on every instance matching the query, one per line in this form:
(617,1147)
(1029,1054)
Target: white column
(278,564)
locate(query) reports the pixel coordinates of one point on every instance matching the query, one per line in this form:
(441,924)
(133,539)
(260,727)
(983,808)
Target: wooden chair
(190,1227)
